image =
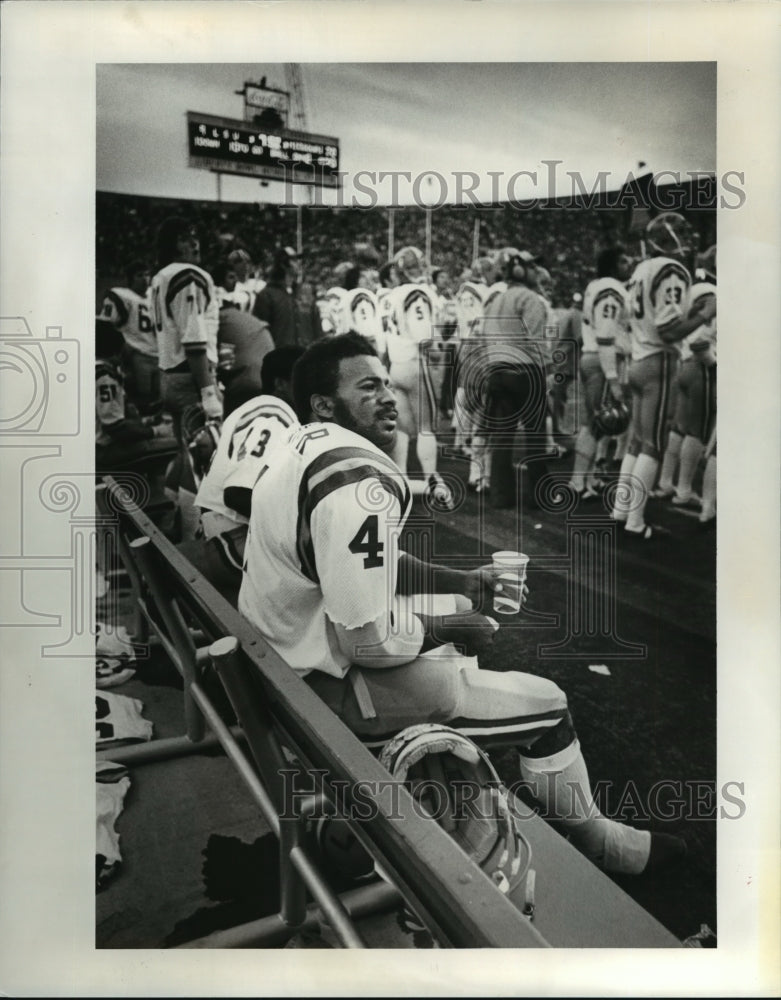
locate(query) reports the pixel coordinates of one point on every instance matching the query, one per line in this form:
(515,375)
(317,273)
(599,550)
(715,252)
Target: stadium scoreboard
(239,147)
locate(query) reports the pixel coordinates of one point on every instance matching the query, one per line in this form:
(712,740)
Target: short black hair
(317,370)
(244,384)
(284,258)
(351,277)
(278,364)
(219,272)
(171,229)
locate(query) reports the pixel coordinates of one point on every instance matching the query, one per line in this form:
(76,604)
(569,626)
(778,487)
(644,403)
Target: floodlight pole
(428,243)
(428,229)
(476,239)
(218,175)
(391,223)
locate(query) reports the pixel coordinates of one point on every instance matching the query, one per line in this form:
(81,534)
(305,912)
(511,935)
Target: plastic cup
(512,566)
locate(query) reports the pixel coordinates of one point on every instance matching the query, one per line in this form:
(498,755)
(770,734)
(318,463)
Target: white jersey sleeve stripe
(328,473)
(181,281)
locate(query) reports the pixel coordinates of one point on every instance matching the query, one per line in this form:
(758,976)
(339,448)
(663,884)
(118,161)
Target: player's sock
(560,783)
(644,473)
(622,443)
(624,491)
(670,462)
(550,443)
(601,453)
(691,453)
(461,422)
(585,450)
(426,449)
(480,463)
(709,490)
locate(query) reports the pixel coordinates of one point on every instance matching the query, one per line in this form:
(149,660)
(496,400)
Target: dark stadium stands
(567,234)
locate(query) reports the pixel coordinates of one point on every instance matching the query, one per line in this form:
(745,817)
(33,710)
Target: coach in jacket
(277,304)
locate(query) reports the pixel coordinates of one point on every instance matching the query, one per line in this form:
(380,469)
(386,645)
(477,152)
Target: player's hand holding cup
(510,581)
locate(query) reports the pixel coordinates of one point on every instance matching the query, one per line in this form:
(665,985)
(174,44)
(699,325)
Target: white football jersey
(254,286)
(111,786)
(496,289)
(118,717)
(335,312)
(363,315)
(469,309)
(322,545)
(386,308)
(414,314)
(247,437)
(705,335)
(186,311)
(658,294)
(131,314)
(240,298)
(605,316)
(109,404)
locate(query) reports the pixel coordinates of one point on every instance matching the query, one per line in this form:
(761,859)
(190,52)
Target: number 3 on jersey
(367,541)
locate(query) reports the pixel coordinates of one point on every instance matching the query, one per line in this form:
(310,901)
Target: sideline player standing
(186,314)
(325,584)
(469,311)
(516,355)
(695,384)
(127,309)
(603,359)
(414,313)
(660,317)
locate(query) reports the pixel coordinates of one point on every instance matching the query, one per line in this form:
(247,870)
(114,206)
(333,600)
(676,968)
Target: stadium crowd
(567,238)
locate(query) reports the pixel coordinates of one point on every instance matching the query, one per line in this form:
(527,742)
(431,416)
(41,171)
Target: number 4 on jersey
(367,540)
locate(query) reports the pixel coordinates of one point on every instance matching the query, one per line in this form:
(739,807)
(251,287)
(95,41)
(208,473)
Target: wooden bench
(278,714)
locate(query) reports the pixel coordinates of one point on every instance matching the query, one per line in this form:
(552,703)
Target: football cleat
(648,533)
(687,500)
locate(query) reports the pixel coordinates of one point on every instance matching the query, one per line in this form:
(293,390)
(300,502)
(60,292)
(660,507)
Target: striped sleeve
(186,299)
(352,505)
(114,309)
(252,443)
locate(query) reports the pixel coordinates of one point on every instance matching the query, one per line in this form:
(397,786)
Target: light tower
(294,80)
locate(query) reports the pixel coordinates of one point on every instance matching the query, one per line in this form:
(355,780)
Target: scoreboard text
(238,147)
